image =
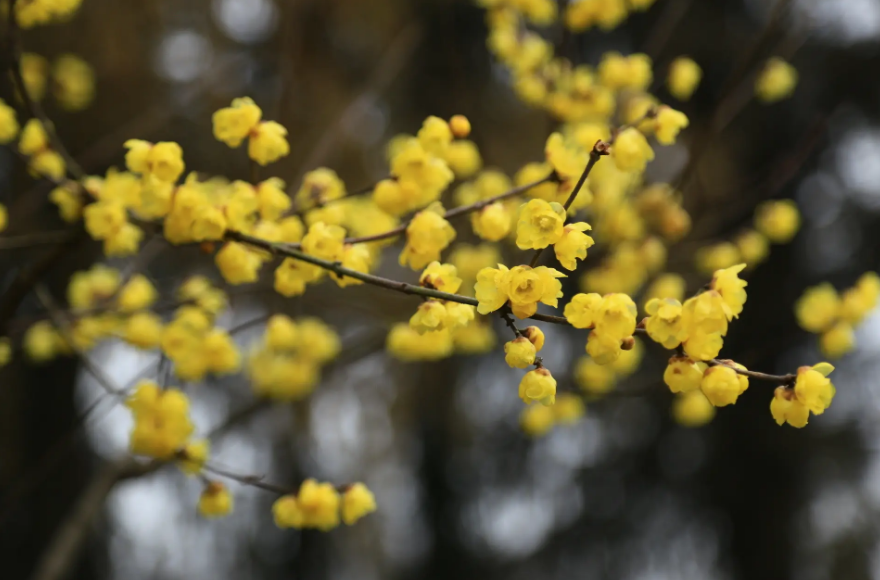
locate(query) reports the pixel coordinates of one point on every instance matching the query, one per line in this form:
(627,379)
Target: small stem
(787,380)
(251,480)
(510,322)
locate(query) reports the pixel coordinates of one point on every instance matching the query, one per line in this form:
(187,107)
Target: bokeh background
(624,494)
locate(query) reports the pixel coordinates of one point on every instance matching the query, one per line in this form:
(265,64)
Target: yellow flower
(684,77)
(753,247)
(427,235)
(475,338)
(777,81)
(692,409)
(525,287)
(463,158)
(233,124)
(357,257)
(616,316)
(779,220)
(594,378)
(837,340)
(268,143)
(435,135)
(33,138)
(215,501)
(287,513)
(489,290)
(664,322)
(567,160)
(357,502)
(442,277)
(520,353)
(702,345)
(666,286)
(668,124)
(430,316)
(238,263)
(164,160)
(428,174)
(537,420)
(683,375)
(538,386)
(8,123)
(631,151)
(813,388)
(535,336)
(625,72)
(607,14)
(492,223)
(408,345)
(569,408)
(73,82)
(861,299)
(143,330)
(573,245)
(458,315)
(161,420)
(786,408)
(42,342)
(137,294)
(34,72)
(583,310)
(731,288)
(722,385)
(324,241)
(540,224)
(292,276)
(319,505)
(603,348)
(818,308)
(319,186)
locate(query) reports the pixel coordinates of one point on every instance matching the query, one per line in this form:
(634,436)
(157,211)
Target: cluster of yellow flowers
(42,159)
(821,310)
(72,79)
(812,393)
(320,506)
(286,365)
(162,424)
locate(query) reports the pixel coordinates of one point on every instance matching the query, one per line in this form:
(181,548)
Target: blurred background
(462,493)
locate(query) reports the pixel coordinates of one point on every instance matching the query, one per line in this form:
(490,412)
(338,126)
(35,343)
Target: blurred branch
(60,556)
(392,62)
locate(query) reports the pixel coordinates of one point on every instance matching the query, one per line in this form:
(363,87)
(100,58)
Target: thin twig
(451,214)
(788,379)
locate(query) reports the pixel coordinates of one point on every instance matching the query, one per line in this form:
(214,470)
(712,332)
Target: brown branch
(59,557)
(451,214)
(787,380)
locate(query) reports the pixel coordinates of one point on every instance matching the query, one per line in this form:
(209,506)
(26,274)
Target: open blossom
(525,287)
(573,245)
(540,224)
(664,323)
(722,385)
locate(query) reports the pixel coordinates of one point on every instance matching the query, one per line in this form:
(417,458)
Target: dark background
(462,493)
